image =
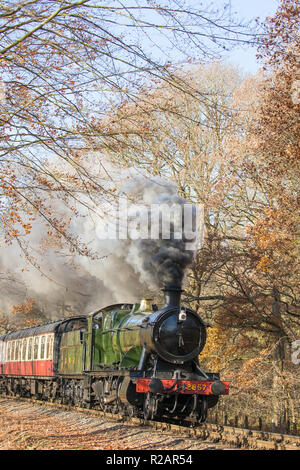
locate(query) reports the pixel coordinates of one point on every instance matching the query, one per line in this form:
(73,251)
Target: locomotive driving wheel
(150,406)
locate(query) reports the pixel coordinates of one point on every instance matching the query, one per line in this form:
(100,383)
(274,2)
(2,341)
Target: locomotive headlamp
(182,315)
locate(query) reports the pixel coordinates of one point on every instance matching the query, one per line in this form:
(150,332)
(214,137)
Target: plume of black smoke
(160,261)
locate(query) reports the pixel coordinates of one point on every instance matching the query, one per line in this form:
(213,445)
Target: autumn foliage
(22,316)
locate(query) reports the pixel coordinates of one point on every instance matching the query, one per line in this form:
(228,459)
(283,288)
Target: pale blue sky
(246,10)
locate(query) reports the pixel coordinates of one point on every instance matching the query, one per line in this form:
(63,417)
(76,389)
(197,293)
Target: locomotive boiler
(128,358)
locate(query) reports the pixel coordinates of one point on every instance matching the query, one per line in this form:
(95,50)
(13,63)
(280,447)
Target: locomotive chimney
(172,296)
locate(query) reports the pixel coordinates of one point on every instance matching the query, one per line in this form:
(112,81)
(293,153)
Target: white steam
(124,268)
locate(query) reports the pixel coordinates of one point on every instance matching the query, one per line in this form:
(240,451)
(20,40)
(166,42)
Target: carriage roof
(50,327)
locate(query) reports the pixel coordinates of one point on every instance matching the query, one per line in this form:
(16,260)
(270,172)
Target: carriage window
(17,347)
(19,350)
(36,348)
(8,351)
(29,353)
(24,349)
(12,351)
(48,347)
(42,354)
(51,347)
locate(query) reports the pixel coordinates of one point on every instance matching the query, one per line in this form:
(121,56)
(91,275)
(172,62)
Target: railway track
(234,437)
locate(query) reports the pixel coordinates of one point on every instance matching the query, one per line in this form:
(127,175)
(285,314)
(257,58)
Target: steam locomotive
(133,359)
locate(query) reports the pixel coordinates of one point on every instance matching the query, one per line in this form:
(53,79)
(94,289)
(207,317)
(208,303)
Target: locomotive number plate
(199,387)
(202,387)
